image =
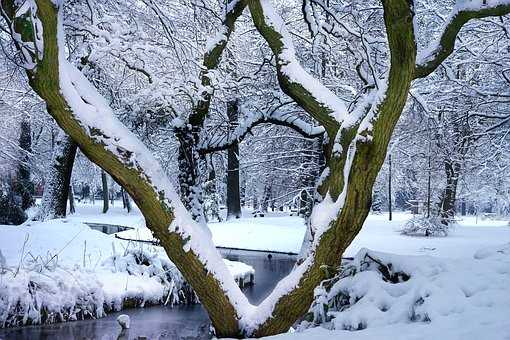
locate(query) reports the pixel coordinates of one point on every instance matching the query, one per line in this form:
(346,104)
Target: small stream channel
(160,322)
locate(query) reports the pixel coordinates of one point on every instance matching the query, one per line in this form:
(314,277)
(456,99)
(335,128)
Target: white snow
(279,234)
(465,298)
(123,321)
(474,246)
(62,270)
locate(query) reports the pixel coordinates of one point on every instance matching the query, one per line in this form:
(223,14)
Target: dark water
(159,322)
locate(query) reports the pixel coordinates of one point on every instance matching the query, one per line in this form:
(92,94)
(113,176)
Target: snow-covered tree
(356,121)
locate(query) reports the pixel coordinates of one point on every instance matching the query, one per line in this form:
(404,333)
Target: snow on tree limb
(464,10)
(315,98)
(224,141)
(214,50)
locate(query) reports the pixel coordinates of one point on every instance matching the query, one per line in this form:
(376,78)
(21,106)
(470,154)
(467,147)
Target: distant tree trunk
(390,209)
(126,203)
(463,207)
(429,184)
(92,195)
(266,197)
(449,196)
(57,189)
(123,198)
(104,180)
(24,186)
(72,210)
(211,206)
(242,191)
(305,203)
(233,192)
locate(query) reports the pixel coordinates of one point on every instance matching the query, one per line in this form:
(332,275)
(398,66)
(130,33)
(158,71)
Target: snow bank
(279,234)
(62,271)
(379,291)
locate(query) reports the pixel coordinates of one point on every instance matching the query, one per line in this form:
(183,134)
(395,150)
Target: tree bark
(57,187)
(126,202)
(449,197)
(23,185)
(390,209)
(211,205)
(233,192)
(189,178)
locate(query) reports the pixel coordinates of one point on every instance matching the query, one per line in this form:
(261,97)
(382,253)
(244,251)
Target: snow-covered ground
(459,286)
(273,233)
(454,299)
(464,240)
(283,233)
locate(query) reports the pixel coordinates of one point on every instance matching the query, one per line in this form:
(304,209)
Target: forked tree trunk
(352,170)
(57,187)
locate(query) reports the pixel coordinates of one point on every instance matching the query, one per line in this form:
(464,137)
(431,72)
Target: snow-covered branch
(224,141)
(214,50)
(432,56)
(315,98)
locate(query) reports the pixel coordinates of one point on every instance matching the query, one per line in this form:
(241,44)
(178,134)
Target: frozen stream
(159,322)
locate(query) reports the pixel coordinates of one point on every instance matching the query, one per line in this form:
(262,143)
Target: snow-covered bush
(425,226)
(36,297)
(41,291)
(142,263)
(378,289)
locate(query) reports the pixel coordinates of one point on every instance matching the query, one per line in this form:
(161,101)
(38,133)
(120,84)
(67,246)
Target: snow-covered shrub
(378,289)
(40,290)
(425,226)
(37,297)
(142,263)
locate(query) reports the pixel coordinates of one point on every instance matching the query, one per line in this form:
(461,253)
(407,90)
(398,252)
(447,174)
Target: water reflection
(159,322)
